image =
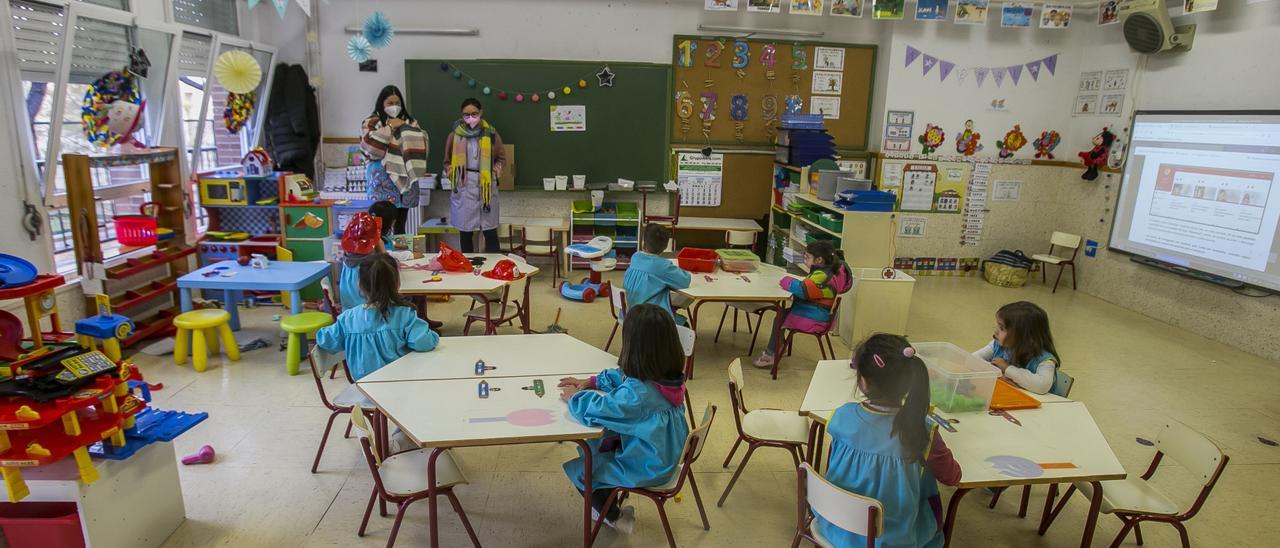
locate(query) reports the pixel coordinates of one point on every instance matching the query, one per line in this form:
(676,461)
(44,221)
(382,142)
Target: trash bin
(875,305)
(41,525)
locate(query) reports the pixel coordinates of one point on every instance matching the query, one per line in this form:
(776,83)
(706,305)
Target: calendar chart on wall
(700,178)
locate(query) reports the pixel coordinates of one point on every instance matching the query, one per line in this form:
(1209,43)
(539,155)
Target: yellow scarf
(459,157)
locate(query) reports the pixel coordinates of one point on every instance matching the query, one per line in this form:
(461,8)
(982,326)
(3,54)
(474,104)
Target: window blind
(219,15)
(194,54)
(122,5)
(100,47)
(39,31)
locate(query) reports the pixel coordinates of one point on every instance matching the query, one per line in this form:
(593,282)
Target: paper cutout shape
(521,417)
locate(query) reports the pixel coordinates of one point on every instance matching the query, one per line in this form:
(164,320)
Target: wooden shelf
(135,297)
(830,206)
(160,257)
(817,226)
(155,326)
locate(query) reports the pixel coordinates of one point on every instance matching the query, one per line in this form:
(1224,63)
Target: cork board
(854,84)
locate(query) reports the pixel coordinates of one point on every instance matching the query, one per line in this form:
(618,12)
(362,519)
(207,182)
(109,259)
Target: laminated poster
(912,227)
(764,6)
(720,5)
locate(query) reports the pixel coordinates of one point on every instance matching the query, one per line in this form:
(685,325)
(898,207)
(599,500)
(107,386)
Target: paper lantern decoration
(358,49)
(567,90)
(444,66)
(237,71)
(471,83)
(582,83)
(239,108)
(519,97)
(457,74)
(377,30)
(99,101)
(502,96)
(486,90)
(535,98)
(551,95)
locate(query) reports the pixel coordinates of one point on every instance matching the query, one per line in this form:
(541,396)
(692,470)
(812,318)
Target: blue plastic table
(278,276)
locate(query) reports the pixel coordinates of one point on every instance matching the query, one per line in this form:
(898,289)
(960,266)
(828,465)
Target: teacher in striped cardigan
(396,149)
(474,160)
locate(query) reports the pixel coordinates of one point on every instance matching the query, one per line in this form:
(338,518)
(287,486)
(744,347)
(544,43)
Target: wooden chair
(504,309)
(825,335)
(1063,240)
(761,428)
(740,239)
(1135,500)
(748,309)
(540,241)
(693,445)
(402,479)
(617,309)
(342,404)
(1062,384)
(687,339)
(504,237)
(853,513)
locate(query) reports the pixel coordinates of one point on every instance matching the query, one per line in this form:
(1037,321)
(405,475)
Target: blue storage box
(866,200)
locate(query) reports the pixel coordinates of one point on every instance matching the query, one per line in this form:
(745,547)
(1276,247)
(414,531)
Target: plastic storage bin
(832,222)
(958,381)
(41,525)
(136,230)
(696,259)
(738,260)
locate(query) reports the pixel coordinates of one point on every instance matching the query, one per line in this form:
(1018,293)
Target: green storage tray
(814,216)
(628,210)
(832,222)
(582,206)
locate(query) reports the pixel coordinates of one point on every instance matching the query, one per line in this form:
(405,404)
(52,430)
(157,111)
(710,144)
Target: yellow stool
(206,326)
(299,326)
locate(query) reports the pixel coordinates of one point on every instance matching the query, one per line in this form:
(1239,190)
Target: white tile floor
(1130,370)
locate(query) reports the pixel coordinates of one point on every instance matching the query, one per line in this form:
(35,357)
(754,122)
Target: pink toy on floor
(203,456)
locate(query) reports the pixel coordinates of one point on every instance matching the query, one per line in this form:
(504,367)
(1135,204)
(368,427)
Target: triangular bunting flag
(961,75)
(944,69)
(928,63)
(253,4)
(998,74)
(1051,63)
(1015,72)
(980,74)
(1033,68)
(281,5)
(912,53)
(306,6)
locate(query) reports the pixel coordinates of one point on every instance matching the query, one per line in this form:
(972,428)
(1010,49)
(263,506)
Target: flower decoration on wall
(239,108)
(358,49)
(102,97)
(377,30)
(237,71)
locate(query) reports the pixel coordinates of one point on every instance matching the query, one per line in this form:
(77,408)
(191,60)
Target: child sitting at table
(639,406)
(812,297)
(650,277)
(1022,347)
(383,328)
(885,449)
(386,212)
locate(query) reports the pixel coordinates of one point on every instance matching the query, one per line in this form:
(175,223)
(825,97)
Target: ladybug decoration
(1097,156)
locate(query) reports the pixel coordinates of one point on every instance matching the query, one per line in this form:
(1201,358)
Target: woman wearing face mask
(474,160)
(396,149)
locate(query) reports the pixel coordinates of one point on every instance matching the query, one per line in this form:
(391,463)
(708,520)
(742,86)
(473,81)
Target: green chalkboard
(627,124)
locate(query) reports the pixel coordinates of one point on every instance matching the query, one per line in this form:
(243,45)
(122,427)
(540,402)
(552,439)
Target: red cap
(362,234)
(504,270)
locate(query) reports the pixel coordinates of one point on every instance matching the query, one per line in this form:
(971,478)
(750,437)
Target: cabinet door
(308,250)
(307,222)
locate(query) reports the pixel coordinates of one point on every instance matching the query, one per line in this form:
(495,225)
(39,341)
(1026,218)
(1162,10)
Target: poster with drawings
(700,179)
(1115,80)
(828,107)
(1112,104)
(918,183)
(912,227)
(827,83)
(1091,81)
(826,58)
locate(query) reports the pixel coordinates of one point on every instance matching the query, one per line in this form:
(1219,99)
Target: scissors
(1006,415)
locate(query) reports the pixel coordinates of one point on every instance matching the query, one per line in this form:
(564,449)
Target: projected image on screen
(1198,192)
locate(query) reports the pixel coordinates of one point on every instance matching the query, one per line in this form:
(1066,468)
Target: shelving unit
(619,220)
(150,299)
(231,199)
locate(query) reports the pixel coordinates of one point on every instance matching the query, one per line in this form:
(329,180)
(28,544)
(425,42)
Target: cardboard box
(508,179)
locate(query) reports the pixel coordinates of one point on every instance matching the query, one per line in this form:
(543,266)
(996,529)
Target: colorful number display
(709,100)
(714,51)
(738,107)
(684,53)
(799,59)
(794,104)
(741,54)
(769,55)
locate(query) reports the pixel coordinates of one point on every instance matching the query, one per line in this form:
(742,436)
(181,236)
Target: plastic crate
(958,381)
(41,525)
(832,222)
(738,260)
(628,211)
(696,259)
(815,236)
(813,215)
(135,230)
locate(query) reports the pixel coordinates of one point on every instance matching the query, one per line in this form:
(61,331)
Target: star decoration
(606,77)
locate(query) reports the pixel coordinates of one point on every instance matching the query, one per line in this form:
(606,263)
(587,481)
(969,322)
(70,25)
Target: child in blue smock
(650,277)
(382,329)
(885,449)
(1022,347)
(639,405)
(369,233)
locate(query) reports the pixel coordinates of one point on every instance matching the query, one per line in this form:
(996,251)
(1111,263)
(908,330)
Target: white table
(511,355)
(715,223)
(439,414)
(760,286)
(416,283)
(1061,431)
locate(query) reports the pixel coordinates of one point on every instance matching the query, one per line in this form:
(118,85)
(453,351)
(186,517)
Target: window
(39,31)
(122,5)
(219,15)
(194,58)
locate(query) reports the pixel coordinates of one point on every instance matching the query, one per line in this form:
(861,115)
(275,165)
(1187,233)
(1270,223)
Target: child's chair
(347,399)
(1062,384)
(748,309)
(402,479)
(540,241)
(503,309)
(617,309)
(687,339)
(693,445)
(761,428)
(1064,240)
(823,335)
(504,237)
(1135,500)
(853,513)
(740,239)
(299,327)
(206,326)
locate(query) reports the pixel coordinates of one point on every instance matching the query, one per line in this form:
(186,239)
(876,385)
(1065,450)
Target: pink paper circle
(530,417)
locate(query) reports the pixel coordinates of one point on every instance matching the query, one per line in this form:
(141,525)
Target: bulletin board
(855,77)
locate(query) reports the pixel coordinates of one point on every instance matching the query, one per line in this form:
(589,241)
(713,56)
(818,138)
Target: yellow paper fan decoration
(237,71)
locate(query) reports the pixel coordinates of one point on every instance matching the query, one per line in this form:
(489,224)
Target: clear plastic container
(958,381)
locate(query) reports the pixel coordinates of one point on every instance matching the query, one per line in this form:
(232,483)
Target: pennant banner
(944,69)
(1015,72)
(253,4)
(928,63)
(912,53)
(980,74)
(1033,68)
(306,6)
(998,74)
(1050,63)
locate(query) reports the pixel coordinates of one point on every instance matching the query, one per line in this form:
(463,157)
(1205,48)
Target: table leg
(184,295)
(295,301)
(1091,520)
(433,525)
(586,492)
(813,441)
(950,522)
(693,324)
(525,318)
(777,337)
(822,441)
(231,298)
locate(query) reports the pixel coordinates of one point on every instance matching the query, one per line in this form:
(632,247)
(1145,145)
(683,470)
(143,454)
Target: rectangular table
(555,355)
(417,282)
(716,223)
(278,276)
(760,286)
(439,414)
(991,451)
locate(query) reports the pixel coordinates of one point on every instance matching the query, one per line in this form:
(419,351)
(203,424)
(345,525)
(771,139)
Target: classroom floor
(1132,372)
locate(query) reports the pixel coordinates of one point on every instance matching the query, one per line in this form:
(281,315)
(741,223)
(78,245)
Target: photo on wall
(764,6)
(1014,15)
(1109,12)
(720,5)
(931,10)
(846,8)
(971,12)
(888,9)
(806,7)
(1055,16)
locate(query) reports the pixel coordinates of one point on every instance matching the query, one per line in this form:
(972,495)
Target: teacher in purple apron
(474,160)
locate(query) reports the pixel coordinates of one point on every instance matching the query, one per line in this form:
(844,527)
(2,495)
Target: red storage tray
(695,259)
(41,525)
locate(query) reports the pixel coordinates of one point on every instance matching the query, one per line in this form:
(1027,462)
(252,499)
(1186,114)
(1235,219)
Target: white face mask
(393,111)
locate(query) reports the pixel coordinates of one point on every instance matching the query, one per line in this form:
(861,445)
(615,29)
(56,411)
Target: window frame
(268,75)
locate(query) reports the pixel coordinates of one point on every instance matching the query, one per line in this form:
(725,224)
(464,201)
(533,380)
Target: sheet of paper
(700,179)
(568,117)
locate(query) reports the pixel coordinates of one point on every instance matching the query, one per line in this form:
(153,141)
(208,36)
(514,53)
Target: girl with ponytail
(884,447)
